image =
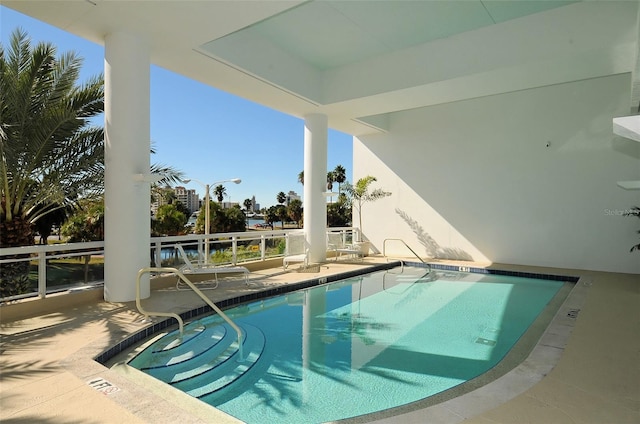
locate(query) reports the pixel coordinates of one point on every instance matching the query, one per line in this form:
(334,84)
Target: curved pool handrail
(384,250)
(176,316)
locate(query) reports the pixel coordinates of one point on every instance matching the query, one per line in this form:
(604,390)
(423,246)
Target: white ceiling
(360,60)
(328,34)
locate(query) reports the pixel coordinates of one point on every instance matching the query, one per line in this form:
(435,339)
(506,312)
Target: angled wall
(527,177)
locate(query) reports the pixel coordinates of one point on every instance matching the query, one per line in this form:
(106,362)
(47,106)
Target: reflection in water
(385,339)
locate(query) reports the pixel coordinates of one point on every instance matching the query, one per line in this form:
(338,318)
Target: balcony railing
(72,267)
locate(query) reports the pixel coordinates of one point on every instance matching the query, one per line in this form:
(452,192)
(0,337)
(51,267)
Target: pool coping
(541,360)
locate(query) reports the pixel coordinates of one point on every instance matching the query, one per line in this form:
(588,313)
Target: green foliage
(271,215)
(339,176)
(330,180)
(169,220)
(57,216)
(219,192)
(221,220)
(180,207)
(360,194)
(87,224)
(281,197)
(50,153)
(339,213)
(294,211)
(281,212)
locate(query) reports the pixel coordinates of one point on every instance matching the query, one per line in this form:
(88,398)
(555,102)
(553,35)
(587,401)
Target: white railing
(188,282)
(228,248)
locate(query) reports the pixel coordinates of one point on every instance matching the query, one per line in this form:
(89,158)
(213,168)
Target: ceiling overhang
(359,61)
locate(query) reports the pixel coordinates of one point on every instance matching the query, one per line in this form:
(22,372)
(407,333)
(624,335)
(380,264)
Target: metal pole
(207,219)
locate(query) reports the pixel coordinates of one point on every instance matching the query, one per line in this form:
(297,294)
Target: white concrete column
(127,154)
(315,185)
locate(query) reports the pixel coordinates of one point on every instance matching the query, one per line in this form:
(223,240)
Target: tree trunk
(14,276)
(87,259)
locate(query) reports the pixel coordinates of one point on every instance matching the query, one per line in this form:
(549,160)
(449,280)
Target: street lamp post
(207,218)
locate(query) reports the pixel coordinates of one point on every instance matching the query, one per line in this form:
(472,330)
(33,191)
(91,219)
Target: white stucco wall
(475,179)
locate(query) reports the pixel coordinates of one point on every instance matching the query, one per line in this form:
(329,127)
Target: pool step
(205,360)
(218,352)
(228,371)
(170,351)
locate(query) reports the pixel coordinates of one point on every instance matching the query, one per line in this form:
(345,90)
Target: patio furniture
(190,268)
(296,250)
(336,244)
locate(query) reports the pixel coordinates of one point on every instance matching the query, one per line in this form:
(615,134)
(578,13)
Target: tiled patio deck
(46,363)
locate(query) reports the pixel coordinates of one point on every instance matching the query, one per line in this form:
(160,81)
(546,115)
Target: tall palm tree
(360,194)
(219,191)
(301,177)
(247,204)
(330,181)
(339,176)
(50,154)
(281,197)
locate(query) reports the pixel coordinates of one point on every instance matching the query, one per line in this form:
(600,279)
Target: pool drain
(573,313)
(486,342)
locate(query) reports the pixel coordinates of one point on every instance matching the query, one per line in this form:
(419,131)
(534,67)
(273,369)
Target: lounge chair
(189,268)
(336,244)
(296,250)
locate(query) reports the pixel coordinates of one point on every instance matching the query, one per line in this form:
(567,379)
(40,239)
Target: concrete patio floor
(46,362)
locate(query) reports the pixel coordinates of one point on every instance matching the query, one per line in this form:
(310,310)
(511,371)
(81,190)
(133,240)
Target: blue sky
(208,134)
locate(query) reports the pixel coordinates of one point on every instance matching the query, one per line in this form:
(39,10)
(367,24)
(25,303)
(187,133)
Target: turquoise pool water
(353,347)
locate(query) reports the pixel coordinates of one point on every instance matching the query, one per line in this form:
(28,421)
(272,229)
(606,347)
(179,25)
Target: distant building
(292,195)
(229,205)
(189,198)
(255,207)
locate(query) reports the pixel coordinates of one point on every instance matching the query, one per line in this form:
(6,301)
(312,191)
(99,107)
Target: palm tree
(360,194)
(50,154)
(281,197)
(301,177)
(339,176)
(294,211)
(247,204)
(219,191)
(330,180)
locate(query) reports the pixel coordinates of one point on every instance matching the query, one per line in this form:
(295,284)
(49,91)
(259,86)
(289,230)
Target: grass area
(68,272)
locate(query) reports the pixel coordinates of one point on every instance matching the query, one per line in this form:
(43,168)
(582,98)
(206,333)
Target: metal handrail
(208,301)
(384,250)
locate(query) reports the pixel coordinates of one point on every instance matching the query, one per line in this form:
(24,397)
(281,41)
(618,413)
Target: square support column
(127,155)
(315,183)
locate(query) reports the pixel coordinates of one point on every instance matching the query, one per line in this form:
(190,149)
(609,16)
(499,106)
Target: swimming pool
(352,347)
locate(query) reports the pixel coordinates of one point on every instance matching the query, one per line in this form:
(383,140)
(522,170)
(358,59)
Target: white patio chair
(296,250)
(190,268)
(336,244)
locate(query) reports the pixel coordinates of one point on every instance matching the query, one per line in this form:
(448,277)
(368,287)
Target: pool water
(354,347)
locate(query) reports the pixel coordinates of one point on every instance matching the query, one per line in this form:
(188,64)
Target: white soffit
(627,126)
(296,49)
